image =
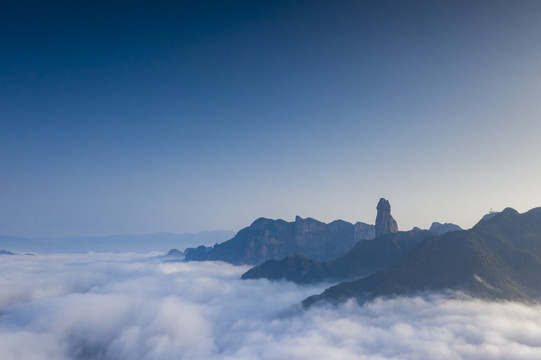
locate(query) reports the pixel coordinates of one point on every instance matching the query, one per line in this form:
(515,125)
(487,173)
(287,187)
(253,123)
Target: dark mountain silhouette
(199,253)
(385,223)
(441,229)
(489,216)
(267,239)
(175,252)
(499,258)
(365,258)
(5,252)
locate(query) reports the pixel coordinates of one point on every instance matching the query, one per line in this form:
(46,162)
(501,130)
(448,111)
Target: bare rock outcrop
(385,223)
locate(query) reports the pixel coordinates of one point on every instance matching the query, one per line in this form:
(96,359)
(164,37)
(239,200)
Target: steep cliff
(269,239)
(385,223)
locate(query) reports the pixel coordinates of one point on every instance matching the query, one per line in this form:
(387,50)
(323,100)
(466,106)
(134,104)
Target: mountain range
(499,258)
(308,250)
(365,258)
(268,239)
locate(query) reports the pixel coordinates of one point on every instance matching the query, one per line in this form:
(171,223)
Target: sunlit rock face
(385,223)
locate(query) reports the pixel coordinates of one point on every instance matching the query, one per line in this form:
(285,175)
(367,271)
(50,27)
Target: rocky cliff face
(269,239)
(362,231)
(384,221)
(365,258)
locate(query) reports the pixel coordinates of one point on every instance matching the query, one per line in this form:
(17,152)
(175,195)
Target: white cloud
(110,306)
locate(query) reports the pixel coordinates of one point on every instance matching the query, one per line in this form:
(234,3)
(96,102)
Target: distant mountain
(114,243)
(267,239)
(365,258)
(5,252)
(198,253)
(499,258)
(441,229)
(175,252)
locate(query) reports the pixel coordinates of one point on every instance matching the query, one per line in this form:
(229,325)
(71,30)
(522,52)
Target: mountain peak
(384,205)
(385,223)
(441,229)
(510,211)
(507,212)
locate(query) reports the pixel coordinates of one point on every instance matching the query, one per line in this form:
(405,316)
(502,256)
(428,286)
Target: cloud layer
(110,306)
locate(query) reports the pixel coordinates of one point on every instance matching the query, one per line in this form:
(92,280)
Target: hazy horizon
(74,236)
(95,235)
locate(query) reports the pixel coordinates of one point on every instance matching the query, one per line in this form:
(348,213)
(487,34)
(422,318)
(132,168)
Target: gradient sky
(136,117)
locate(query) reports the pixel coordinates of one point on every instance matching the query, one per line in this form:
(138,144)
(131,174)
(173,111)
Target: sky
(137,117)
(144,308)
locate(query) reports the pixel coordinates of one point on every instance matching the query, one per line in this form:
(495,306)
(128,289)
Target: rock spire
(384,220)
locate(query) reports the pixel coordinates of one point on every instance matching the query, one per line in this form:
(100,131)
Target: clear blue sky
(136,117)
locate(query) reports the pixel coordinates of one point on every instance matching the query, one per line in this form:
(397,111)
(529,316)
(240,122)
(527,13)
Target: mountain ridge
(499,259)
(267,239)
(365,258)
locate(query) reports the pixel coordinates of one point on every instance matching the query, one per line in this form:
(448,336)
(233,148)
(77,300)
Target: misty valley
(278,290)
(111,306)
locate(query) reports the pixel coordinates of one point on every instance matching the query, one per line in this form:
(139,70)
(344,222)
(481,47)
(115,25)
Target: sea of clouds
(133,306)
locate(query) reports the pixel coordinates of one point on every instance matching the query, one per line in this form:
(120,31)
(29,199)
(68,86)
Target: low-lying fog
(111,306)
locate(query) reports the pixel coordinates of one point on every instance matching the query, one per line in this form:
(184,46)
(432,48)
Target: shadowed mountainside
(365,258)
(499,258)
(441,229)
(268,239)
